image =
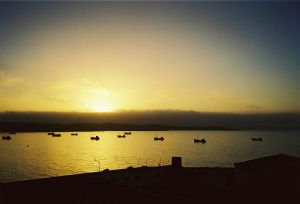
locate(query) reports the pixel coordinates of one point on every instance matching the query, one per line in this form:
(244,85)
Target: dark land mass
(167,119)
(274,179)
(54,127)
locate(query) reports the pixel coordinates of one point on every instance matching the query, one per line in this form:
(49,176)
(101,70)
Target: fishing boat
(121,136)
(74,134)
(56,135)
(159,138)
(199,140)
(257,139)
(95,138)
(7,137)
(127,133)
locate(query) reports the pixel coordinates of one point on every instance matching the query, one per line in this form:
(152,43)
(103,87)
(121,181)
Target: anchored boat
(199,140)
(7,137)
(127,133)
(159,138)
(95,138)
(257,139)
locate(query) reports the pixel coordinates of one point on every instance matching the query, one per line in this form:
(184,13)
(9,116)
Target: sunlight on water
(38,155)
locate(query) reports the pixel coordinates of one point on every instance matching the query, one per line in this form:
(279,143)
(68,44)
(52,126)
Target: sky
(219,57)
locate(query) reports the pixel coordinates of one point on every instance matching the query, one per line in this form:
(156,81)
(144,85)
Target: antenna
(98,164)
(138,162)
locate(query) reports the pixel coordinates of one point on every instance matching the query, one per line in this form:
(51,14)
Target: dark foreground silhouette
(273,179)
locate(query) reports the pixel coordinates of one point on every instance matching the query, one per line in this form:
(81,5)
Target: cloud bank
(262,121)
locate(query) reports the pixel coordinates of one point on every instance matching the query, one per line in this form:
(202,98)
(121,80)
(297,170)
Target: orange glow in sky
(119,60)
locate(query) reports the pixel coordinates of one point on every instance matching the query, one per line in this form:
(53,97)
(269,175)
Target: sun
(99,100)
(101,107)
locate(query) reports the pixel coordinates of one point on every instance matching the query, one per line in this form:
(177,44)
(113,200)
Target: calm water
(37,155)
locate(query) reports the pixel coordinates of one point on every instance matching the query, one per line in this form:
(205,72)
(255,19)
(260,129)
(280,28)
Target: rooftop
(278,161)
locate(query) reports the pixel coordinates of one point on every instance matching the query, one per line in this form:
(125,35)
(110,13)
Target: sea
(39,155)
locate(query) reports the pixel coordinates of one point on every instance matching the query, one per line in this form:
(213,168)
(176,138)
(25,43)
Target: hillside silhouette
(48,127)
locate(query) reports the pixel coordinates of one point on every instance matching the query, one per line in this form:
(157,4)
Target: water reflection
(36,155)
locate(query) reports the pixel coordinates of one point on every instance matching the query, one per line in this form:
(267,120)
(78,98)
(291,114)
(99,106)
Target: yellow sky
(114,65)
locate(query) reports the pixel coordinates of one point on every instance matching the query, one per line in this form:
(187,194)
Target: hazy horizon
(271,121)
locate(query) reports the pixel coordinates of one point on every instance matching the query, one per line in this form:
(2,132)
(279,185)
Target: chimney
(176,162)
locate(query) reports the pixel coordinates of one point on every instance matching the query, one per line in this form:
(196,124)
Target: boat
(74,134)
(56,135)
(121,136)
(257,139)
(95,138)
(7,137)
(127,133)
(199,140)
(159,138)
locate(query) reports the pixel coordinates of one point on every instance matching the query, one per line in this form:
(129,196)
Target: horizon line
(154,111)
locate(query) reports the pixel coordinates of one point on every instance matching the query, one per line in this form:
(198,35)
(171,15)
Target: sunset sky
(237,57)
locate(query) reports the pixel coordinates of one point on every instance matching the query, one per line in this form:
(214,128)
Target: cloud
(252,107)
(8,80)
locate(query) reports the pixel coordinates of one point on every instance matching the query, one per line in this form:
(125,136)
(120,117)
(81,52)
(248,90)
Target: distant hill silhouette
(166,119)
(48,127)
